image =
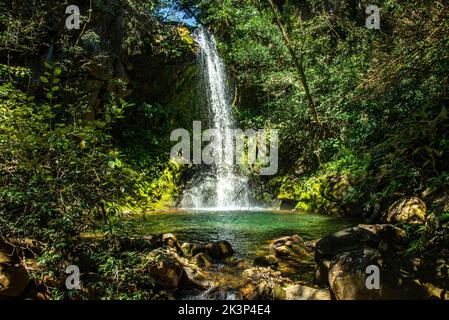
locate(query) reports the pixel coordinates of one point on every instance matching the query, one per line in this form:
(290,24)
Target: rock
(347,277)
(216,250)
(388,236)
(13,277)
(186,249)
(169,239)
(294,239)
(299,292)
(283,251)
(431,266)
(262,291)
(221,249)
(102,67)
(287,247)
(287,204)
(310,245)
(410,210)
(136,243)
(195,278)
(258,273)
(345,240)
(441,204)
(249,292)
(321,273)
(167,269)
(380,236)
(266,261)
(202,260)
(385,232)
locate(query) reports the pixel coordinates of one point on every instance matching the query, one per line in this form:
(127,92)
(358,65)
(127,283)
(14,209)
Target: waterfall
(222,186)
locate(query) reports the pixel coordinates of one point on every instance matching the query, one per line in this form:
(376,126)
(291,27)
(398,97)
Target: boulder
(380,236)
(168,239)
(290,246)
(195,278)
(290,240)
(166,267)
(216,250)
(283,251)
(348,277)
(410,210)
(102,67)
(186,249)
(13,276)
(202,260)
(266,261)
(345,240)
(262,291)
(221,249)
(299,292)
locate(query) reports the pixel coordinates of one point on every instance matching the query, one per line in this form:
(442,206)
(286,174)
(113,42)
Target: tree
(298,65)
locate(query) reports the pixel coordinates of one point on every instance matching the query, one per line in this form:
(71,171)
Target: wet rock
(266,261)
(202,260)
(310,245)
(13,277)
(249,292)
(347,277)
(294,239)
(166,267)
(169,239)
(216,250)
(283,251)
(195,278)
(410,210)
(287,247)
(222,249)
(186,249)
(262,291)
(299,292)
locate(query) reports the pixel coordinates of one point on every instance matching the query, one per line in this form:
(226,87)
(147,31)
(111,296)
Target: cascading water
(222,187)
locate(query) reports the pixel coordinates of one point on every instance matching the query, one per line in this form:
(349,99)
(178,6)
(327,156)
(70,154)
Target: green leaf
(111,164)
(44,79)
(55,88)
(57,71)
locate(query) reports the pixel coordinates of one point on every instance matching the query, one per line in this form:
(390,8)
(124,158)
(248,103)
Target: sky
(172,14)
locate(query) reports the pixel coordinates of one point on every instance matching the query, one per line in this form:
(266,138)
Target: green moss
(328,189)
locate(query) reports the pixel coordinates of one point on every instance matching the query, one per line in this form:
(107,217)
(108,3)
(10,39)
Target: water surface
(247,231)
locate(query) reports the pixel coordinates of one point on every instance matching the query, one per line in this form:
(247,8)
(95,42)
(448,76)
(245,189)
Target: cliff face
(120,48)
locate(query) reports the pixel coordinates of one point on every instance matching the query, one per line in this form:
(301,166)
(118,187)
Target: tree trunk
(297,63)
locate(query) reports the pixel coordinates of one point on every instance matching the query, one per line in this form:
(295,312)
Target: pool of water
(247,231)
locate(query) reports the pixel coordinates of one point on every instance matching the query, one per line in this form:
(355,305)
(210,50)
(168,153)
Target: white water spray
(222,187)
